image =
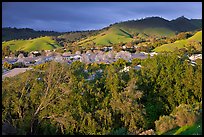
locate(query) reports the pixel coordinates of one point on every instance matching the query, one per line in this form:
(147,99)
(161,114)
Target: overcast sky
(71,16)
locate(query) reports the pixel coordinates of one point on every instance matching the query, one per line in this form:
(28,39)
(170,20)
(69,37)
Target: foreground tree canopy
(97,98)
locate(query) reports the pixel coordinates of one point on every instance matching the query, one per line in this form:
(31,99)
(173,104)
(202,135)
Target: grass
(119,34)
(41,43)
(195,129)
(179,43)
(196,37)
(159,31)
(112,36)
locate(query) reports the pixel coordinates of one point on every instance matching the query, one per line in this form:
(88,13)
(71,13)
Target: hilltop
(25,33)
(121,32)
(151,26)
(41,43)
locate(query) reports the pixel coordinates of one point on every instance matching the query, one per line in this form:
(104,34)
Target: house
(58,58)
(76,57)
(66,57)
(9,60)
(153,53)
(39,60)
(126,69)
(78,52)
(49,58)
(145,53)
(138,67)
(124,55)
(124,47)
(139,55)
(195,56)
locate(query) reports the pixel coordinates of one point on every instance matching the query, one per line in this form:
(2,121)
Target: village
(90,56)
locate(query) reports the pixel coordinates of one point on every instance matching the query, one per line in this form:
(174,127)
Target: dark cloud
(67,16)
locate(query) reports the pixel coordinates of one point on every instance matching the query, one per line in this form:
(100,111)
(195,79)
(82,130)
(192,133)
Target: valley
(135,77)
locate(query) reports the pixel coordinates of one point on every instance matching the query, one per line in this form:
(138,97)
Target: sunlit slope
(117,34)
(179,43)
(111,36)
(42,43)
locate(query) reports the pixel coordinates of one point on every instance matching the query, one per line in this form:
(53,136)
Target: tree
(5,51)
(7,65)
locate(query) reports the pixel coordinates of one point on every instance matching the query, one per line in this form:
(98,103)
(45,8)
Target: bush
(7,65)
(120,131)
(184,115)
(165,123)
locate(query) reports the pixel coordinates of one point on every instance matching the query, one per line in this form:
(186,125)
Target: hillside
(151,26)
(42,43)
(111,36)
(121,32)
(24,33)
(179,43)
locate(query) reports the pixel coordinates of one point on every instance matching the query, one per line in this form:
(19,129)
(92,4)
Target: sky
(73,16)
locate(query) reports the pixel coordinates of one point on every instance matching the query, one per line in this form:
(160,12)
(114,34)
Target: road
(14,72)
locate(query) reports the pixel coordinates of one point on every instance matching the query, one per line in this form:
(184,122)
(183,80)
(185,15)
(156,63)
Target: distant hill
(24,33)
(183,24)
(121,32)
(111,36)
(151,26)
(179,43)
(41,43)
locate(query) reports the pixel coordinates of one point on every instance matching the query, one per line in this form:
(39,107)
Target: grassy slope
(119,34)
(195,129)
(179,43)
(112,36)
(42,43)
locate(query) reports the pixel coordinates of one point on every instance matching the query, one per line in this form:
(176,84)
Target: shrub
(184,115)
(7,65)
(119,131)
(164,124)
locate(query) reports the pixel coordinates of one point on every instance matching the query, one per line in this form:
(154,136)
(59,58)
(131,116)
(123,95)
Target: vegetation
(61,99)
(54,98)
(42,43)
(24,33)
(182,44)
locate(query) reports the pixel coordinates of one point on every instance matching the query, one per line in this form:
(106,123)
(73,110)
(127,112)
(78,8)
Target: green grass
(179,43)
(159,31)
(112,36)
(42,43)
(196,37)
(119,34)
(195,129)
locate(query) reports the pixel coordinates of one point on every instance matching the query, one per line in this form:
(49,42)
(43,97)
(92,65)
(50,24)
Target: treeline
(27,33)
(80,98)
(24,33)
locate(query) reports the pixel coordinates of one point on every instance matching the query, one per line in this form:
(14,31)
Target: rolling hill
(151,26)
(41,43)
(111,36)
(24,33)
(121,32)
(179,43)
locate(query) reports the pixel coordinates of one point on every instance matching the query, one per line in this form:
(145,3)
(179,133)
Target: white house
(138,67)
(126,69)
(195,56)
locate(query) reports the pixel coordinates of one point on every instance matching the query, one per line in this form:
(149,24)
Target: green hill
(179,43)
(42,43)
(112,36)
(25,33)
(150,26)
